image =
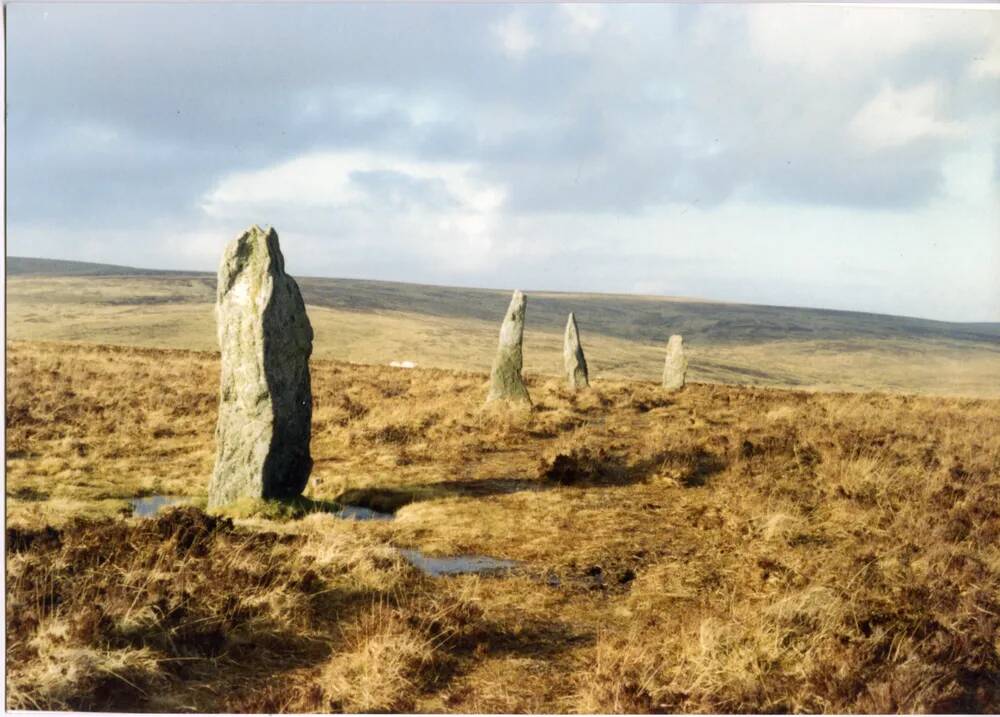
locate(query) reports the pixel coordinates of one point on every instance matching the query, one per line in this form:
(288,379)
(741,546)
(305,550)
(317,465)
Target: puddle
(458,565)
(152,504)
(357,512)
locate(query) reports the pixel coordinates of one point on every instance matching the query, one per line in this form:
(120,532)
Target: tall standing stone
(675,366)
(573,360)
(505,378)
(265,399)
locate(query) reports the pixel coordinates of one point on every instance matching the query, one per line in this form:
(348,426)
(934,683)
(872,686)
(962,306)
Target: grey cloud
(649,110)
(890,179)
(402,191)
(230,87)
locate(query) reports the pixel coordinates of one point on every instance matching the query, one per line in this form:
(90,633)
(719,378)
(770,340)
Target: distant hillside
(641,318)
(646,319)
(376,322)
(27,266)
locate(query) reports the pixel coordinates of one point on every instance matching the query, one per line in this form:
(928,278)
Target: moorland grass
(722,548)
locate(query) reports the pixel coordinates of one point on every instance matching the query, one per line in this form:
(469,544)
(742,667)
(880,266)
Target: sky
(830,156)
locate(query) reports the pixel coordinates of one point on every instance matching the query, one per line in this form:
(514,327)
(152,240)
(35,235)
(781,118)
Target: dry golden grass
(720,549)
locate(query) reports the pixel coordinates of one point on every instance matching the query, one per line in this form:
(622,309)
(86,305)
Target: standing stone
(573,360)
(265,400)
(505,379)
(675,367)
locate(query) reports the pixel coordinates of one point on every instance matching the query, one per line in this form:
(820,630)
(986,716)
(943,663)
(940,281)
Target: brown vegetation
(718,549)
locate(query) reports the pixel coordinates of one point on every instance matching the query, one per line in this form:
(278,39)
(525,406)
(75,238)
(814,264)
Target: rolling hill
(377,321)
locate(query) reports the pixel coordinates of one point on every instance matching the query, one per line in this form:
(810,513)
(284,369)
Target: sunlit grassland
(723,548)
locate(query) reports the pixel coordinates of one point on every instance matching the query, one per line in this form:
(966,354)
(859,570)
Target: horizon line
(662,297)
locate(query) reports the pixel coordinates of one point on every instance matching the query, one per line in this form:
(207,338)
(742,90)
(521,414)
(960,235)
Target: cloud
(987,64)
(444,141)
(831,41)
(604,109)
(340,179)
(516,40)
(583,20)
(897,117)
(443,210)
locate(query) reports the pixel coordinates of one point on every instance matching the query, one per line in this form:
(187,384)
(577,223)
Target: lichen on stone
(265,406)
(675,364)
(574,363)
(506,383)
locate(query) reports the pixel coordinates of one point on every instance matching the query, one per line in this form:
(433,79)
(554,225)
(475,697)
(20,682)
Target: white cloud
(968,176)
(830,40)
(516,40)
(630,139)
(987,64)
(326,179)
(321,179)
(320,189)
(894,117)
(583,19)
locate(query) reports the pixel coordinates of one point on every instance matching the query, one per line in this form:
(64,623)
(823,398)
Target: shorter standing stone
(573,360)
(675,367)
(505,378)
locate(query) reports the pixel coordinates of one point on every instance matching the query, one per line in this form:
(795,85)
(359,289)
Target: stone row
(265,395)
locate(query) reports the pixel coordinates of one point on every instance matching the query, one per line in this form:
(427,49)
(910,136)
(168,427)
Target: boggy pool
(148,506)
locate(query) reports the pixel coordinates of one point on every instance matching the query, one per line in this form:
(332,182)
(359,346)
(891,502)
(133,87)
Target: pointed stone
(265,398)
(675,366)
(573,361)
(505,378)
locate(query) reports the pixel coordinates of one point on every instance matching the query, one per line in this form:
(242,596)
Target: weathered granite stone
(265,400)
(675,366)
(573,360)
(505,379)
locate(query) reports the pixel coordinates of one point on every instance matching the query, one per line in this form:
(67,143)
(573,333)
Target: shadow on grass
(597,468)
(579,468)
(204,600)
(389,500)
(491,639)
